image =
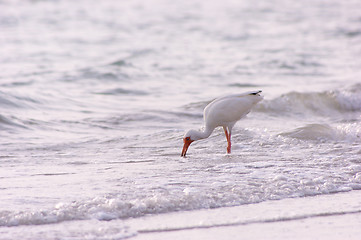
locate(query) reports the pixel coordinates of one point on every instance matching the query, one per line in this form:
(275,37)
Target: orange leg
(228,136)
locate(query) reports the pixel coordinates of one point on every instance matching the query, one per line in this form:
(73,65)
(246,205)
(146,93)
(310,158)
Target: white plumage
(223,112)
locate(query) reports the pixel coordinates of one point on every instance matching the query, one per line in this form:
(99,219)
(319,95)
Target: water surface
(96,96)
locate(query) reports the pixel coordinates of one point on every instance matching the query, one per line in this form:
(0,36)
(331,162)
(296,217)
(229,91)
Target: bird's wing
(229,109)
(236,95)
(257,93)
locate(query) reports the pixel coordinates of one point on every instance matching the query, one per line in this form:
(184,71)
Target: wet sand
(333,216)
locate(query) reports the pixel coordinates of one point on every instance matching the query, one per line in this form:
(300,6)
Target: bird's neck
(204,134)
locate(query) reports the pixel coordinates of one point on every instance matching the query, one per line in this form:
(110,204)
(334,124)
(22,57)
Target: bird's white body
(225,112)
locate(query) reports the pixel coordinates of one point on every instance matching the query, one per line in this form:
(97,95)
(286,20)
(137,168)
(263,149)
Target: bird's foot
(228,150)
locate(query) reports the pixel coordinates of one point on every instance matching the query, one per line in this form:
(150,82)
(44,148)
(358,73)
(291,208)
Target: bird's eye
(188,138)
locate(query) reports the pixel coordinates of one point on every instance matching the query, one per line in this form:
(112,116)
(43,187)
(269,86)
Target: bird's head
(188,138)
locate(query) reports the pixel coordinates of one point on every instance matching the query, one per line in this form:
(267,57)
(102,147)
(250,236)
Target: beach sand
(332,216)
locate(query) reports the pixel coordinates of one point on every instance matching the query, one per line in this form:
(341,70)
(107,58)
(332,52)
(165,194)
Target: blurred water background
(95,97)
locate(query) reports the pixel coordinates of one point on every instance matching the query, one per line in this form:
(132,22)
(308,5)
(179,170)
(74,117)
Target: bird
(223,112)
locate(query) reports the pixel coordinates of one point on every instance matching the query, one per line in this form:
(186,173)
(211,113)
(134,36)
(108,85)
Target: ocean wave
(318,103)
(10,122)
(122,91)
(322,132)
(10,100)
(113,207)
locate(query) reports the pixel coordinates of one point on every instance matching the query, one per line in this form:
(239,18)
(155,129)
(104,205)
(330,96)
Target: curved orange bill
(185,147)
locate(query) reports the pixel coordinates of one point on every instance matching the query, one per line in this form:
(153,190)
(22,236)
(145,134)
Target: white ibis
(223,112)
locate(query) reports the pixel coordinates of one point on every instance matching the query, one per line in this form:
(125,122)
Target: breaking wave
(112,207)
(322,132)
(325,103)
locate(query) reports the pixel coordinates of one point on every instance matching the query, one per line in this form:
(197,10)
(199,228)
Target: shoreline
(332,216)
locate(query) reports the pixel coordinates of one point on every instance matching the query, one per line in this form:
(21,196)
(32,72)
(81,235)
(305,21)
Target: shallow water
(95,98)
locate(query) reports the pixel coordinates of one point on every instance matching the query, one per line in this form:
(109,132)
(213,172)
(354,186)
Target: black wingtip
(256,93)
